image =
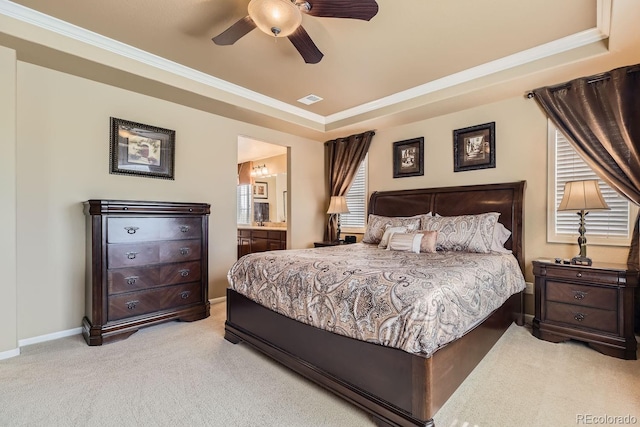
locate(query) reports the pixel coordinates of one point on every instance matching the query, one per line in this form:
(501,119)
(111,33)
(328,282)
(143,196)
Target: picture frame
(408,158)
(141,150)
(474,147)
(261,190)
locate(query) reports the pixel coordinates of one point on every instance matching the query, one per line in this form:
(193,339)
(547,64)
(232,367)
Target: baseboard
(528,319)
(67,333)
(10,353)
(218,300)
(49,337)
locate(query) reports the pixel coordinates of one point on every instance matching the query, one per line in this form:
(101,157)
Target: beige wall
(521,154)
(62,160)
(8,321)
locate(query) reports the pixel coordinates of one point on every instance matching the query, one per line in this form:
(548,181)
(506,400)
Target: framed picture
(141,150)
(408,158)
(474,147)
(261,190)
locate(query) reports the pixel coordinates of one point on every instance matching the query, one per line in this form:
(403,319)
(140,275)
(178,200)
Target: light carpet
(186,374)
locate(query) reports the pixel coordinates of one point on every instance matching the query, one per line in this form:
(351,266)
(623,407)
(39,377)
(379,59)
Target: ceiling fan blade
(307,48)
(235,32)
(354,9)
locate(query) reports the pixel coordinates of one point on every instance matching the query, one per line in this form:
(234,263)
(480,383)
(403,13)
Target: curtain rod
(591,79)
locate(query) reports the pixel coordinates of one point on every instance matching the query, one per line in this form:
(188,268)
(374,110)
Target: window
(357,201)
(243,207)
(610,227)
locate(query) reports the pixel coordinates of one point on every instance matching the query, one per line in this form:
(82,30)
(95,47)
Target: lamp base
(581,260)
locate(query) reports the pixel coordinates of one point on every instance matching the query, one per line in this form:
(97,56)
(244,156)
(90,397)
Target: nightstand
(593,304)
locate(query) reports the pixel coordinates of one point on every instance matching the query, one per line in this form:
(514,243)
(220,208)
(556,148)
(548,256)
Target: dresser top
(102,207)
(595,265)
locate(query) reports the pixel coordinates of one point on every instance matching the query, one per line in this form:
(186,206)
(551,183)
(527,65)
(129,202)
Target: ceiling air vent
(310,99)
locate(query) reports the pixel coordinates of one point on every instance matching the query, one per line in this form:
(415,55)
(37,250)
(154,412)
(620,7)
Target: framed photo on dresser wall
(474,147)
(141,150)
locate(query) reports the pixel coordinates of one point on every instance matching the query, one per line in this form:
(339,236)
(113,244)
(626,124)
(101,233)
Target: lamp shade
(582,195)
(338,205)
(278,18)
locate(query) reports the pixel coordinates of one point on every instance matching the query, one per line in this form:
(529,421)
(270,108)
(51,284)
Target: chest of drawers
(593,304)
(147,262)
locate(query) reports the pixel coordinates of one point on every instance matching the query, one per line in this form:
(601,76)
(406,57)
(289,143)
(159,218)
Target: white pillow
(389,230)
(500,236)
(406,242)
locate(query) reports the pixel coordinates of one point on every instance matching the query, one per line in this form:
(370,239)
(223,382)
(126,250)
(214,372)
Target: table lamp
(337,206)
(581,196)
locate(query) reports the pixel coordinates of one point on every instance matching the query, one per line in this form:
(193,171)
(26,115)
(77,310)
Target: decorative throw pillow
(406,242)
(466,233)
(387,233)
(376,225)
(428,242)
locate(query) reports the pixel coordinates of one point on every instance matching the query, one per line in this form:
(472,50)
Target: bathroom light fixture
(259,171)
(278,18)
(581,196)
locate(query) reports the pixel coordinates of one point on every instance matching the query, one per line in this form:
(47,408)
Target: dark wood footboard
(397,388)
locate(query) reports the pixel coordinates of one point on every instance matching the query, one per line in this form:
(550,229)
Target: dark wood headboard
(506,198)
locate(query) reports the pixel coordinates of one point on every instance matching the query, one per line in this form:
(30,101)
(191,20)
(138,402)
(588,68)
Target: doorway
(262,202)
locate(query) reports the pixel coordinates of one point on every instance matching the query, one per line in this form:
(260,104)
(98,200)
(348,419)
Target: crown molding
(555,47)
(99,41)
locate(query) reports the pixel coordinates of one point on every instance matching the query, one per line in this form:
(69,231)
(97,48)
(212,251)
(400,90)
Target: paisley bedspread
(414,302)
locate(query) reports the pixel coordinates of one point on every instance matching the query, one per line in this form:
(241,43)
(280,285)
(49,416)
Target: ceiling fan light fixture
(278,18)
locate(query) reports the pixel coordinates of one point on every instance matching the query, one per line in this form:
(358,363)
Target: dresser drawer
(134,279)
(145,302)
(132,255)
(585,275)
(584,317)
(180,250)
(135,254)
(138,229)
(583,295)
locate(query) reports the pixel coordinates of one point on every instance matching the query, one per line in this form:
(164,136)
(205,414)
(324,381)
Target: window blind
(356,200)
(612,223)
(243,206)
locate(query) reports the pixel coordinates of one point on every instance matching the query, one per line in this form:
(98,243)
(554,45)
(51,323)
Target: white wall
(63,160)
(8,319)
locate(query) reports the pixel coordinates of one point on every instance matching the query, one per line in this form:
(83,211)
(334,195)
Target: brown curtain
(343,157)
(600,116)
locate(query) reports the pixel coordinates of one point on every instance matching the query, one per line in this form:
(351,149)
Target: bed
(398,386)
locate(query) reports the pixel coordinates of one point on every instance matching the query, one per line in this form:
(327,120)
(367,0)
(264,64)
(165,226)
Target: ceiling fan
(283,18)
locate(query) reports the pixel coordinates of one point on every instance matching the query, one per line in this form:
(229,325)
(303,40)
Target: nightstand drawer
(585,317)
(585,275)
(588,296)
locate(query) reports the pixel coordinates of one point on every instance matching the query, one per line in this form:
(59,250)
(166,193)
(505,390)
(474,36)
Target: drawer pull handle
(579,295)
(578,274)
(184,273)
(185,294)
(131,280)
(131,230)
(184,251)
(579,317)
(132,255)
(132,304)
(184,228)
